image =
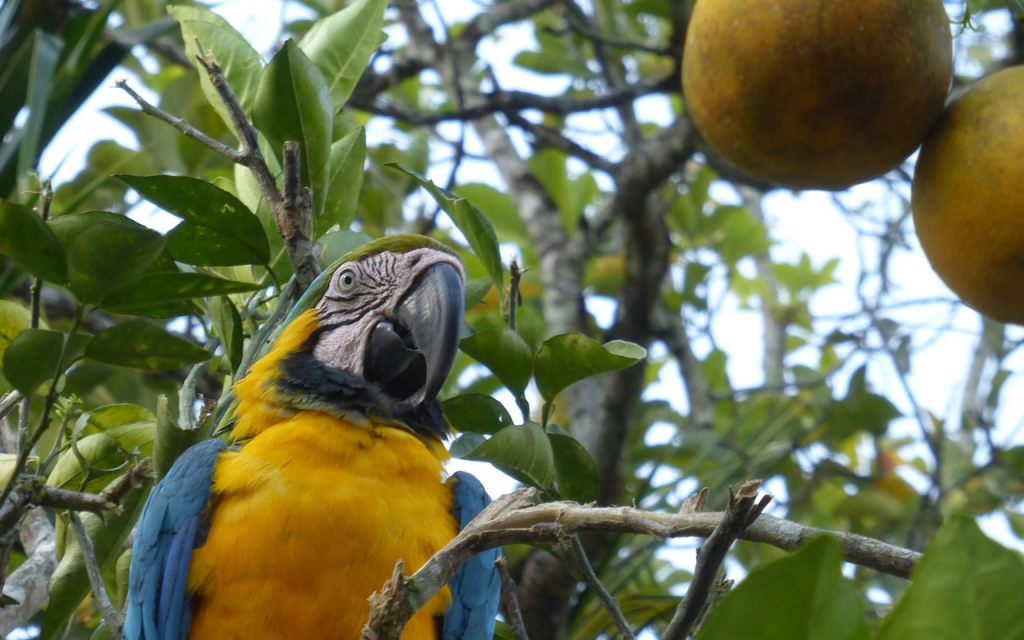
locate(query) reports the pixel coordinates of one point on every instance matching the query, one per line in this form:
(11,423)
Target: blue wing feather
(157,607)
(476,588)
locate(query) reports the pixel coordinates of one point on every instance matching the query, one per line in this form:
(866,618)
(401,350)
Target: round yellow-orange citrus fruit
(968,196)
(816,94)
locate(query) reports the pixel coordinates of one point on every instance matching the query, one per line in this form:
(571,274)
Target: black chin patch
(393,363)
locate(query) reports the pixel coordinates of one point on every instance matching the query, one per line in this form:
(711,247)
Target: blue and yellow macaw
(335,475)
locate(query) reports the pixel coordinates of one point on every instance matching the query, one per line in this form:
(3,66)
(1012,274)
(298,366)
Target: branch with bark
(518,518)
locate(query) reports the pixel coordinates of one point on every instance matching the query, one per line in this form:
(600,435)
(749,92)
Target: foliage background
(801,339)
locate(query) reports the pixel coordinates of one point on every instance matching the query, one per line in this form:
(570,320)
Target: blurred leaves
(963,587)
(801,596)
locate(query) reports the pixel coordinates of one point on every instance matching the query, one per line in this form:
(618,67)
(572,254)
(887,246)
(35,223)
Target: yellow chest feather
(309,518)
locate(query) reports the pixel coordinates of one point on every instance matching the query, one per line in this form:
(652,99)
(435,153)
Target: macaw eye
(346,280)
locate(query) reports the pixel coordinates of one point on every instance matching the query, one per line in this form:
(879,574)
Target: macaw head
(377,332)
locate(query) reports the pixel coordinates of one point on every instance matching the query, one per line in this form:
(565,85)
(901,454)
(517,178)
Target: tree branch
(111,616)
(510,102)
(516,518)
(512,613)
(742,511)
(28,583)
(182,125)
(579,555)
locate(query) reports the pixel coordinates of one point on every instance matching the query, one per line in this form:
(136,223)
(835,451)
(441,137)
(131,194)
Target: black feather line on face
(321,387)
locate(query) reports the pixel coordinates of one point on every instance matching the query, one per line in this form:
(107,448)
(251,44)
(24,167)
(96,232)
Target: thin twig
(579,554)
(37,285)
(183,126)
(509,594)
(8,402)
(743,509)
(56,498)
(251,155)
(113,618)
(513,297)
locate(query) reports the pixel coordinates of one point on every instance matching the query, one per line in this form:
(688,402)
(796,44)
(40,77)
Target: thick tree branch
(516,518)
(28,583)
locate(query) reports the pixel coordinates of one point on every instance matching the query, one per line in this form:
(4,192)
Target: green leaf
(471,223)
(32,359)
(240,62)
(104,251)
(26,239)
(111,416)
(1016,7)
(121,568)
(803,596)
(155,290)
(8,463)
(348,155)
(46,50)
(227,324)
(14,318)
(340,45)
(575,471)
(571,357)
(476,291)
(737,233)
(521,451)
(293,103)
(505,353)
(861,411)
(476,413)
(500,210)
(465,443)
(571,196)
(965,587)
(337,243)
(98,450)
(143,345)
(170,441)
(217,229)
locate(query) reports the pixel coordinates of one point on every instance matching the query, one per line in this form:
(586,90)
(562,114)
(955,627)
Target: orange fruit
(818,94)
(968,196)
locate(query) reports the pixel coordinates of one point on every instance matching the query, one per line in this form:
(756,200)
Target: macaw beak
(409,356)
